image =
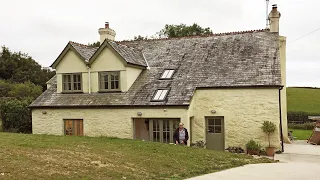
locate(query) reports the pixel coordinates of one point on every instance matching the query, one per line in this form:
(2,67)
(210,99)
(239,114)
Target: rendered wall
(284,90)
(99,122)
(244,111)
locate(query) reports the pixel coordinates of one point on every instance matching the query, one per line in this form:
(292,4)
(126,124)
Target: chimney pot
(106,24)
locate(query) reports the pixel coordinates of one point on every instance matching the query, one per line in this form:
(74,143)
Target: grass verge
(60,157)
(301,134)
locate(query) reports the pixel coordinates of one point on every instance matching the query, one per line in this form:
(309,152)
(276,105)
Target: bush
(297,117)
(15,115)
(305,126)
(199,144)
(252,145)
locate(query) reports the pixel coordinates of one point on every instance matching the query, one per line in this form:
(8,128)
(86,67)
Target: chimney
(274,18)
(106,33)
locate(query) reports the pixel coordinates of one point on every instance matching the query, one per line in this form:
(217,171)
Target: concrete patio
(299,161)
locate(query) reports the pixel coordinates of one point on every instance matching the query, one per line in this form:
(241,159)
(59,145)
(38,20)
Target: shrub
(269,128)
(252,145)
(199,144)
(235,149)
(15,115)
(305,126)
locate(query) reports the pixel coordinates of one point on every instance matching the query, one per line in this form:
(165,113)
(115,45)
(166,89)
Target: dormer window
(160,95)
(109,81)
(167,74)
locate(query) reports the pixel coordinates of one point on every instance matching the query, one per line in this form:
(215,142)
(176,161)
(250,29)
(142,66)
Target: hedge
(15,115)
(305,126)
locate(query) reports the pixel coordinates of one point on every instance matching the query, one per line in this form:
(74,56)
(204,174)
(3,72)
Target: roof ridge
(197,36)
(83,45)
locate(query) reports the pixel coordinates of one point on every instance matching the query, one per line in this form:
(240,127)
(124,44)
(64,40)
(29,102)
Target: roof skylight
(167,74)
(160,95)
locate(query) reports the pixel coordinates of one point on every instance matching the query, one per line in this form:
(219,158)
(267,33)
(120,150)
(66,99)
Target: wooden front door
(73,127)
(215,133)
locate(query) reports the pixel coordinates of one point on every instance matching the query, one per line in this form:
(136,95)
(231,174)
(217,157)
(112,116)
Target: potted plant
(269,128)
(253,148)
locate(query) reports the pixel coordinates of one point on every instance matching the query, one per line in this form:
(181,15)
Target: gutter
(280,115)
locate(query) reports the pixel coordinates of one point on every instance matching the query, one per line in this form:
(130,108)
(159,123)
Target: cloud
(42,28)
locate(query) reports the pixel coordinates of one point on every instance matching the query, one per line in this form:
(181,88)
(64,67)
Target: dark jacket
(176,136)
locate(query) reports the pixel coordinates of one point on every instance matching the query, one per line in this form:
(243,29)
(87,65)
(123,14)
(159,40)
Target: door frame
(222,129)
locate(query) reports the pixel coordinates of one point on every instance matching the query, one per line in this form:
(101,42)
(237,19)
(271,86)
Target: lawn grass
(301,134)
(303,100)
(25,156)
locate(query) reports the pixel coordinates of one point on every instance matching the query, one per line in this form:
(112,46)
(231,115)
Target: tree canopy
(171,30)
(18,67)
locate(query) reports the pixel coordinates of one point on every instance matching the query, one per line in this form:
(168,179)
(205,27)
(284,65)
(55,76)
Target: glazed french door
(162,130)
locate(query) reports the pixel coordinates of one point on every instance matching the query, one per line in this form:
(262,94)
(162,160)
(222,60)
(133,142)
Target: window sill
(109,91)
(71,92)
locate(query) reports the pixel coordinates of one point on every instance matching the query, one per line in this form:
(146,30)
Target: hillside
(303,100)
(25,156)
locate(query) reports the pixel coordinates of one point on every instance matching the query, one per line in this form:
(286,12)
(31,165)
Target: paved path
(300,161)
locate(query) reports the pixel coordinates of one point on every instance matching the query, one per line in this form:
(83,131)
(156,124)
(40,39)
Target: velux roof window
(167,74)
(160,95)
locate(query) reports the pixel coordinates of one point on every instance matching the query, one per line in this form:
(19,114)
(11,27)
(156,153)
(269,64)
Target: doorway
(73,127)
(215,133)
(157,130)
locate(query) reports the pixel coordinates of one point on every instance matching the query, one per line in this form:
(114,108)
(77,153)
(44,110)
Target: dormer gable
(127,55)
(83,52)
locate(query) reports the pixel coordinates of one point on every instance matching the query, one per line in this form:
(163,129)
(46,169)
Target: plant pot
(253,152)
(270,151)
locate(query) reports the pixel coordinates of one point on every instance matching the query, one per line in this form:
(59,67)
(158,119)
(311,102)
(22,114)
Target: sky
(43,28)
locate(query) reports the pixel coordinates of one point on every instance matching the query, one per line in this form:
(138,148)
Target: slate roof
(227,60)
(85,51)
(130,55)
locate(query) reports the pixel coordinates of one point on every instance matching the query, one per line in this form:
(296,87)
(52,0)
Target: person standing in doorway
(181,135)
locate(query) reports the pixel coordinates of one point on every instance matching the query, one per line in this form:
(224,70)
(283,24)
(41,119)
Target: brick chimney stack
(106,33)
(274,18)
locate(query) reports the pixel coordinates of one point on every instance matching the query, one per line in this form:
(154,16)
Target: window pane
(165,73)
(217,129)
(217,121)
(163,94)
(170,74)
(211,129)
(157,96)
(211,121)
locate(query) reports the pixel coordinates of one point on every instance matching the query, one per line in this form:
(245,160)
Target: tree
(25,90)
(171,30)
(19,67)
(139,38)
(95,44)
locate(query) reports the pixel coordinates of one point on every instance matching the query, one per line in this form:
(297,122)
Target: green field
(301,134)
(25,156)
(303,100)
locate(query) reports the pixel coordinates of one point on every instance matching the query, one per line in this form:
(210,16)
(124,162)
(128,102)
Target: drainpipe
(89,79)
(280,113)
